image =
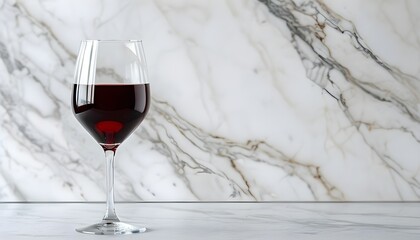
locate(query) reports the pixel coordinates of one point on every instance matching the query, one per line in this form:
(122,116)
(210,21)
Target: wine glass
(111,97)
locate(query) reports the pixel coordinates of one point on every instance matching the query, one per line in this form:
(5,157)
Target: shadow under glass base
(111,228)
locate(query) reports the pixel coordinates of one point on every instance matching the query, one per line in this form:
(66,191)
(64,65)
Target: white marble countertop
(218,220)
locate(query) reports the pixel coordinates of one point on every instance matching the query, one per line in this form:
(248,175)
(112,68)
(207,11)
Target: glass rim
(112,40)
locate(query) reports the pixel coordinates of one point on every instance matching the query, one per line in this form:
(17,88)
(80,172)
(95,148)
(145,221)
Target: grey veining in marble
(252,100)
(219,220)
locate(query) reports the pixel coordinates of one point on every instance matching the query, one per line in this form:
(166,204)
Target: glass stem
(110,215)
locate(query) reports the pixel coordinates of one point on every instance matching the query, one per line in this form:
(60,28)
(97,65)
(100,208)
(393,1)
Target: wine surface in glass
(114,113)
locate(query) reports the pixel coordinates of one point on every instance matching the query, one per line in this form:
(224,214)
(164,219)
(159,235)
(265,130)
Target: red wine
(110,112)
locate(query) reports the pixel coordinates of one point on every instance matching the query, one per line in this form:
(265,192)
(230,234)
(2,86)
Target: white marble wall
(252,100)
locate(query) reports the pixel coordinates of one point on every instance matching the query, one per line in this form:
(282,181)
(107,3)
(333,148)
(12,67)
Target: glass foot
(111,228)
